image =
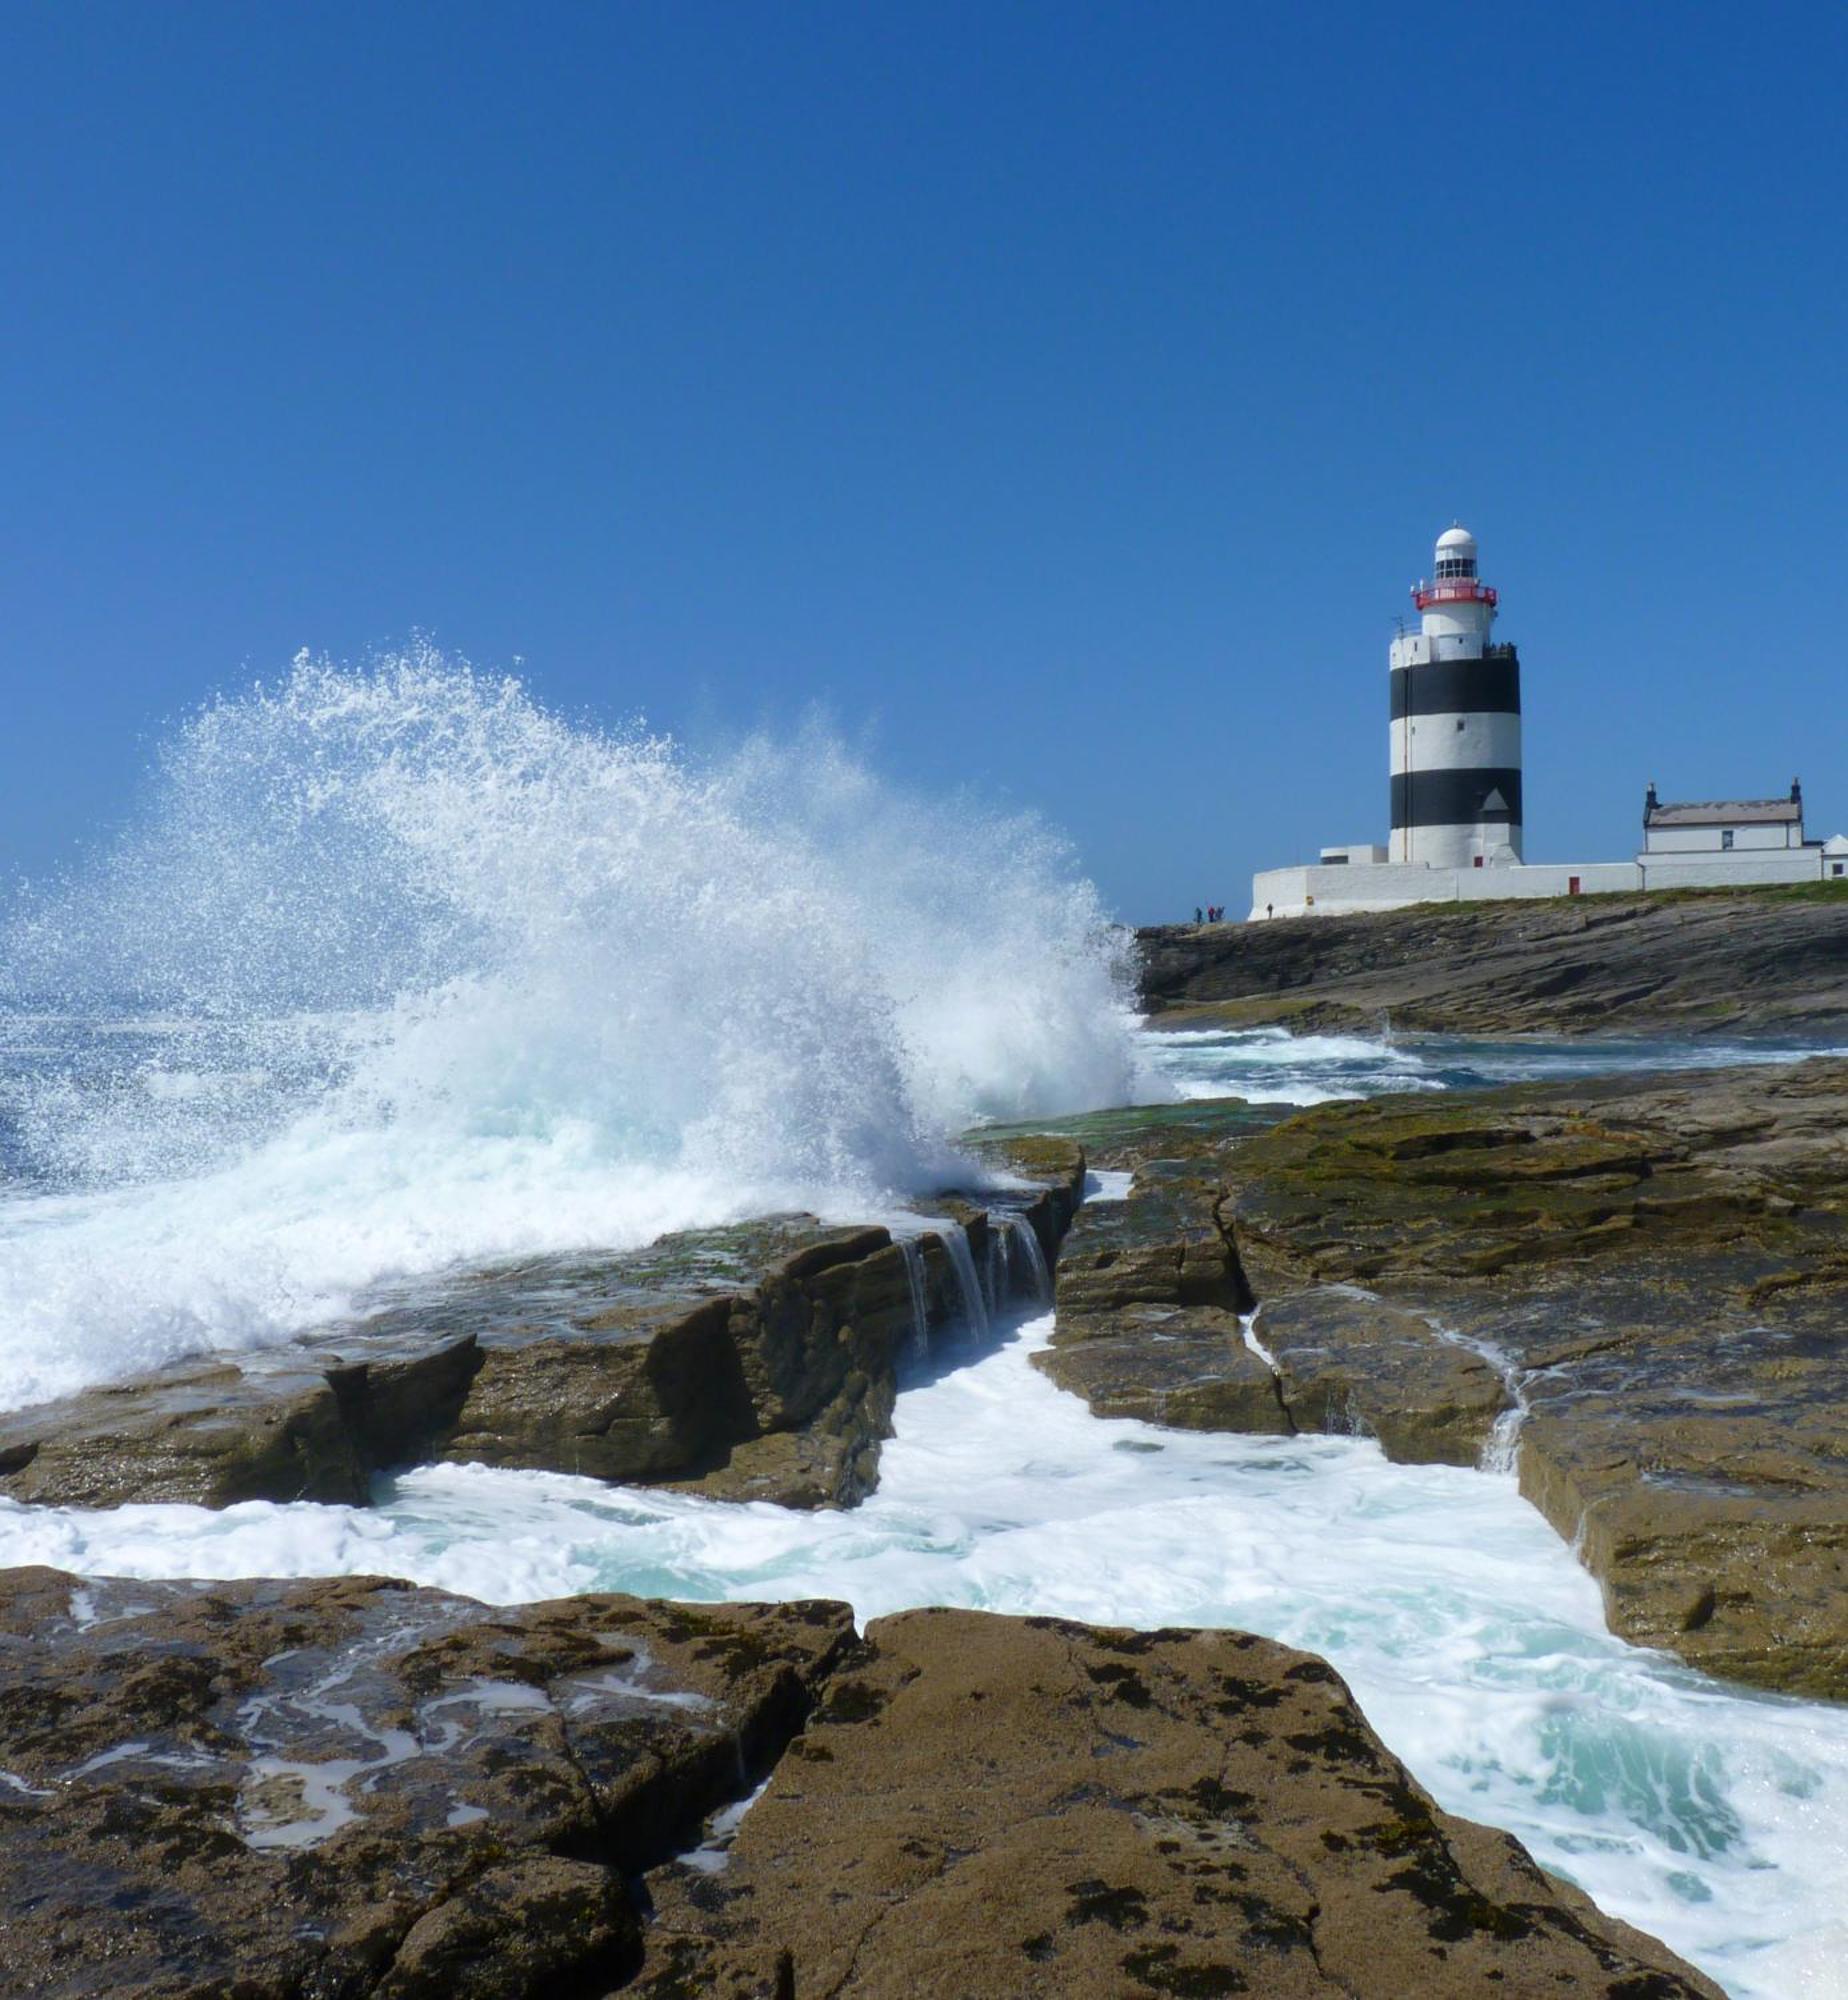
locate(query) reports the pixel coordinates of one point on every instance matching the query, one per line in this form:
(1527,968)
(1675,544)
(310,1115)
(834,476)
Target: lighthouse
(1456,723)
(1456,791)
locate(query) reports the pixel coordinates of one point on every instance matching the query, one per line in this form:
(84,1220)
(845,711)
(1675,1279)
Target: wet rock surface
(1156,1321)
(755,1362)
(1673,964)
(1348,1361)
(287,1791)
(1150,1294)
(1002,1807)
(1640,1284)
(355,1787)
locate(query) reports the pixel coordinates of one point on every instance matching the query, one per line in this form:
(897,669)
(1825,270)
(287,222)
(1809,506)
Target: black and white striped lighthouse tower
(1456,723)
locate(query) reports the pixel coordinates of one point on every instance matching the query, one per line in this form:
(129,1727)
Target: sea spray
(396,968)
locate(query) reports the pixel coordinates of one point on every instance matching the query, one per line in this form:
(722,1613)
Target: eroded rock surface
(1003,1807)
(1758,962)
(755,1362)
(353,1787)
(1156,1320)
(1664,1264)
(1150,1294)
(1656,1268)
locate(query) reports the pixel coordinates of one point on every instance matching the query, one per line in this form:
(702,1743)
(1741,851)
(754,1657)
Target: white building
(1457,808)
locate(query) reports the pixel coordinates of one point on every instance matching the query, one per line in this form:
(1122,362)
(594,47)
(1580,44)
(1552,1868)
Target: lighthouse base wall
(1348,890)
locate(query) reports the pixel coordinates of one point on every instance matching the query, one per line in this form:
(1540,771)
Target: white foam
(713,1853)
(430,976)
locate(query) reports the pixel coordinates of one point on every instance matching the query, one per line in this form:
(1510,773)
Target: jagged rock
(290,1425)
(1165,1246)
(273,1790)
(756,1362)
(290,1791)
(1663,1262)
(1012,1807)
(1673,964)
(1150,1293)
(1347,1361)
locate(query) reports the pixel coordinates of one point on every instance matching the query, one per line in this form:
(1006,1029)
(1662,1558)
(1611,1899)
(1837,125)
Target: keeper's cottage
(1456,788)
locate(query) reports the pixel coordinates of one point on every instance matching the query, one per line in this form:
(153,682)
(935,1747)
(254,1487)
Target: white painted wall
(1339,891)
(1706,839)
(1417,649)
(1547,878)
(1719,871)
(1467,619)
(1498,842)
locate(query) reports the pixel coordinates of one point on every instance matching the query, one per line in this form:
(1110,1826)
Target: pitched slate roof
(1728,812)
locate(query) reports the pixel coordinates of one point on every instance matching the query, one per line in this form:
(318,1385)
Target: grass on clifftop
(1486,907)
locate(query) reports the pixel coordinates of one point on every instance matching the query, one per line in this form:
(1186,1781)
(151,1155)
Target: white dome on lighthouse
(1456,555)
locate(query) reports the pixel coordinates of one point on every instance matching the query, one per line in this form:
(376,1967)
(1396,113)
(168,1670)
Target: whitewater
(394,972)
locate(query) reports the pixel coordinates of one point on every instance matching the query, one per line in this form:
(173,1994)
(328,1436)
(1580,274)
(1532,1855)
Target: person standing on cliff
(1196,913)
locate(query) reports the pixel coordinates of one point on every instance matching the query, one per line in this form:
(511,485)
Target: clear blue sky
(1067,393)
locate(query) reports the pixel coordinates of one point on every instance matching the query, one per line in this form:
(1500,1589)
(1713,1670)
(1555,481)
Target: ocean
(394,972)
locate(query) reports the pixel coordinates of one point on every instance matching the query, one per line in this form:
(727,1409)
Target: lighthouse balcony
(1452,590)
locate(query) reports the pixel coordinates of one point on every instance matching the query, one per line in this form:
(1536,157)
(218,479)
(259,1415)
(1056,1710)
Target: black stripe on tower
(1457,798)
(1457,687)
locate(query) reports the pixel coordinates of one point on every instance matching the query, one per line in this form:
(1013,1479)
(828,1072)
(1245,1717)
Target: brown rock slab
(1656,1266)
(285,1790)
(1185,1367)
(1149,1296)
(1150,1293)
(1348,1361)
(284,1426)
(1164,1246)
(1664,1262)
(1015,1807)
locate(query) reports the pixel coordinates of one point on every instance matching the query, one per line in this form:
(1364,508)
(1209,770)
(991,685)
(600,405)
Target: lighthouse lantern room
(1456,722)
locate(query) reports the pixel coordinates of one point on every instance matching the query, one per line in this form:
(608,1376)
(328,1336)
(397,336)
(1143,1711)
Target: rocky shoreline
(1637,1287)
(1632,1288)
(1704,963)
(358,1788)
(758,1362)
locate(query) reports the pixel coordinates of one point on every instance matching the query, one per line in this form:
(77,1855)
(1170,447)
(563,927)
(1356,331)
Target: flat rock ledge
(755,1362)
(1635,1288)
(286,1791)
(1755,962)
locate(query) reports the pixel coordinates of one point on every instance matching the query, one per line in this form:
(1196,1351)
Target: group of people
(1214,913)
